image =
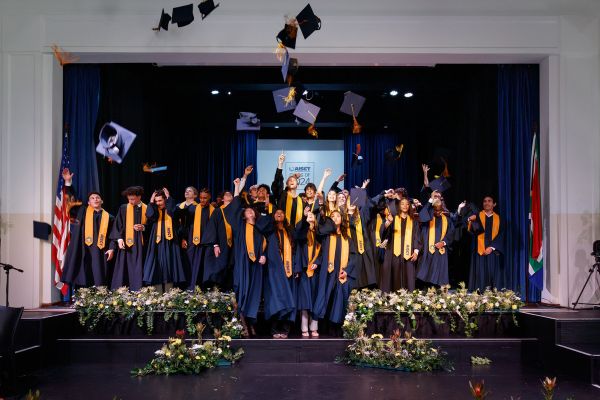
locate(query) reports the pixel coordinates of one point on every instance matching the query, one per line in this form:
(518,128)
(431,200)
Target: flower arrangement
(98,303)
(176,357)
(398,353)
(364,304)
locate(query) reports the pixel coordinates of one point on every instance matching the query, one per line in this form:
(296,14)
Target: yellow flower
(168,353)
(100,305)
(114,303)
(129,303)
(197,357)
(514,306)
(376,336)
(180,356)
(139,308)
(177,342)
(226,338)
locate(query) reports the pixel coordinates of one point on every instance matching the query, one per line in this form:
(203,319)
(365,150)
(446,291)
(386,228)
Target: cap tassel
(280,51)
(291,96)
(63,57)
(312,131)
(356,127)
(445,172)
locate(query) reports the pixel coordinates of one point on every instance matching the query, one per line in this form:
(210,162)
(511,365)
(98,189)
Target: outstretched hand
(248,170)
(67,175)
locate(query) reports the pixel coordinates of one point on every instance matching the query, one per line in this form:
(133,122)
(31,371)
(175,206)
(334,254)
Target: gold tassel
(356,127)
(280,51)
(445,172)
(291,96)
(312,131)
(63,57)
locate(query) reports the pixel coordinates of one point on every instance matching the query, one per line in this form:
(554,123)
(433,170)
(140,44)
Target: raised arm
(326,174)
(277,185)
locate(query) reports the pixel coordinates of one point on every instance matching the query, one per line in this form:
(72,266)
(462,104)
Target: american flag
(60,228)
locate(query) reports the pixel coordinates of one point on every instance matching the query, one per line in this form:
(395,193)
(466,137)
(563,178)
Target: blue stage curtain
(518,115)
(81,91)
(384,175)
(243,153)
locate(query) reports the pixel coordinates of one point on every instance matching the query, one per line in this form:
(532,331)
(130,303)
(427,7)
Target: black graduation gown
(163,259)
(201,269)
(129,262)
(306,286)
(86,265)
(397,272)
(281,195)
(220,268)
(433,268)
(487,270)
(365,262)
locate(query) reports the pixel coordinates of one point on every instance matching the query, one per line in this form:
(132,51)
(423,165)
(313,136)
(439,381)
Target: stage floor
(279,381)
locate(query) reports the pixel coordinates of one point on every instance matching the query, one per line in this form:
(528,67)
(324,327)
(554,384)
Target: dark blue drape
(243,153)
(81,90)
(383,175)
(518,115)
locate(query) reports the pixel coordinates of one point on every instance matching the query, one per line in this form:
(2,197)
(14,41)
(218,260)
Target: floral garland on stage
(363,304)
(397,353)
(98,303)
(176,357)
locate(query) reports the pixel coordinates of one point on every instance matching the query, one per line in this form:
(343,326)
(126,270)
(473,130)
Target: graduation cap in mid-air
(164,21)
(206,7)
(153,168)
(287,36)
(285,99)
(115,141)
(307,111)
(394,154)
(183,15)
(352,105)
(357,159)
(289,67)
(440,184)
(439,163)
(308,21)
(41,230)
(248,122)
(358,196)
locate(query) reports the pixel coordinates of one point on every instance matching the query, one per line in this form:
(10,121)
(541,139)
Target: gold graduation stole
(88,232)
(182,205)
(407,253)
(164,216)
(228,232)
(378,223)
(481,236)
(288,208)
(250,242)
(286,257)
(314,248)
(343,256)
(360,242)
(129,222)
(270,208)
(197,228)
(431,242)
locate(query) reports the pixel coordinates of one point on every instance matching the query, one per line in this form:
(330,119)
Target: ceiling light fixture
(393,92)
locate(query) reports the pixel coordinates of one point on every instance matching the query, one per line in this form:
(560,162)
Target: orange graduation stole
(164,216)
(250,242)
(182,205)
(129,222)
(286,257)
(88,232)
(481,236)
(407,237)
(314,248)
(431,241)
(228,232)
(343,256)
(360,242)
(378,223)
(288,208)
(197,228)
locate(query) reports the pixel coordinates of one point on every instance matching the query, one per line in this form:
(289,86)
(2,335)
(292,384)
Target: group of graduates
(298,254)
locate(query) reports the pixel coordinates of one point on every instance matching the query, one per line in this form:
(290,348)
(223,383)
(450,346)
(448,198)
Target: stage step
(568,341)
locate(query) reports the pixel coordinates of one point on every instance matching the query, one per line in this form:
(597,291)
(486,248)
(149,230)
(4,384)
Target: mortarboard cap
(248,122)
(164,21)
(308,21)
(393,154)
(41,230)
(352,100)
(115,141)
(358,197)
(307,111)
(289,66)
(183,15)
(279,97)
(287,36)
(206,7)
(440,184)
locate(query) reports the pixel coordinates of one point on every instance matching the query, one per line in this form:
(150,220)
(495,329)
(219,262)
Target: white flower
(159,352)
(187,302)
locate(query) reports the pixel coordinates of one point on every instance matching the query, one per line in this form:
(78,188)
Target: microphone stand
(7,268)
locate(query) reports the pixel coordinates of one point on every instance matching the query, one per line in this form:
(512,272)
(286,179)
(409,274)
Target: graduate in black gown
(190,196)
(403,245)
(337,274)
(487,269)
(218,236)
(202,272)
(359,211)
(163,259)
(280,276)
(90,248)
(129,231)
(250,257)
(437,232)
(308,260)
(288,199)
